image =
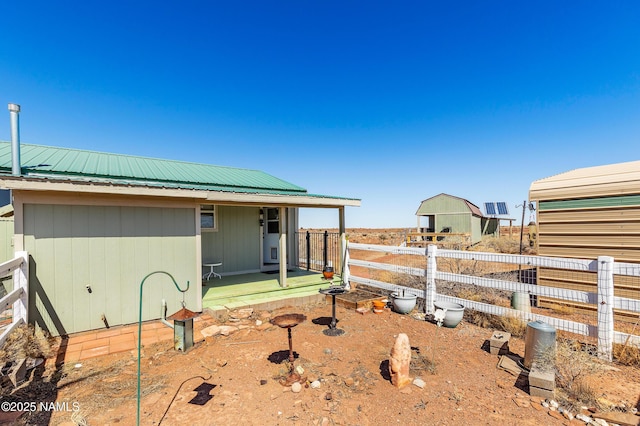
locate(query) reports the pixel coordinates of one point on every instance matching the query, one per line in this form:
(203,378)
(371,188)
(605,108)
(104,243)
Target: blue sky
(390,102)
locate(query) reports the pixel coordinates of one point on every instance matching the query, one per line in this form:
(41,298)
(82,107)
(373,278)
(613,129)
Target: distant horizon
(387,103)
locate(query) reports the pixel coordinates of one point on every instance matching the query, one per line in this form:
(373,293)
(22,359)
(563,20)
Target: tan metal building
(586,213)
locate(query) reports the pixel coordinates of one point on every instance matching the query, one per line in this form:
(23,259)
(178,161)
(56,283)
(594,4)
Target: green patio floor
(236,291)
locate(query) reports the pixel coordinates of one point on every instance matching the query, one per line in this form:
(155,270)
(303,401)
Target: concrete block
(542,379)
(542,393)
(499,343)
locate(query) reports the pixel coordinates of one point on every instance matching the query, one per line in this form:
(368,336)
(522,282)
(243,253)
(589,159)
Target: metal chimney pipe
(16,169)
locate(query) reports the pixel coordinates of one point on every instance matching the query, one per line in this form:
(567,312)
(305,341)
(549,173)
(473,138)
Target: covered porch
(264,288)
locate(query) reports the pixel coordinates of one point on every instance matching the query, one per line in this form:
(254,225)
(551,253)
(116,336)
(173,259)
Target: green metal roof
(90,166)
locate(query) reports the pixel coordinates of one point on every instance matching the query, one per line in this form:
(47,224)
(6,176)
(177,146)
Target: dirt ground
(237,378)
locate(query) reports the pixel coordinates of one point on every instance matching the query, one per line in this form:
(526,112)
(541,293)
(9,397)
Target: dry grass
(575,370)
(510,324)
(626,355)
(25,342)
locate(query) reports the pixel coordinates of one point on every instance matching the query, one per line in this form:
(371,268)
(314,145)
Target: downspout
(16,169)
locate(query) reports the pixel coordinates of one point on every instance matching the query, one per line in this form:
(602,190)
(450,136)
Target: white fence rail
(18,297)
(604,299)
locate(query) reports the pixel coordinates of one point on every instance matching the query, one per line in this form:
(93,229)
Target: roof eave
(205,196)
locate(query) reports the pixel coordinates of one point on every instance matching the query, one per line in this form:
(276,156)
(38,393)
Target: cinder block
(542,379)
(542,393)
(499,343)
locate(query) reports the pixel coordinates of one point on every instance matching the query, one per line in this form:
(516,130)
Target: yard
(236,378)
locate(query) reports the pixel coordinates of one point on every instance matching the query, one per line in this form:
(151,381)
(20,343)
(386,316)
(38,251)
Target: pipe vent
(16,169)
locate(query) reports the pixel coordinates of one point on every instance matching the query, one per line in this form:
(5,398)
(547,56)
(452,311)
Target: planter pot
(453,314)
(379,304)
(403,304)
(327,272)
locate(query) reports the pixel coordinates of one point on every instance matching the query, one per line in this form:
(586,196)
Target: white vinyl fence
(18,297)
(427,271)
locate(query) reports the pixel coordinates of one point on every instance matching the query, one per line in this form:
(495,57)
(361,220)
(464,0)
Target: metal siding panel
(81,275)
(115,282)
(97,219)
(240,235)
(112,248)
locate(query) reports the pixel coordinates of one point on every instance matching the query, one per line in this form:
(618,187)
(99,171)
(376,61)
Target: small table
(333,292)
(207,276)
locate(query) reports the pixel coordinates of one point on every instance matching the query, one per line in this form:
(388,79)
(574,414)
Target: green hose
(140,327)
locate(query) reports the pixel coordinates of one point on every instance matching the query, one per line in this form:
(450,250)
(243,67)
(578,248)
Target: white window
(208,221)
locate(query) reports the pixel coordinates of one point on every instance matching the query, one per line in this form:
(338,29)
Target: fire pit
(333,292)
(289,321)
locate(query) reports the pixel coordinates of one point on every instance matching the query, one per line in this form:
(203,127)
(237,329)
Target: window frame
(209,210)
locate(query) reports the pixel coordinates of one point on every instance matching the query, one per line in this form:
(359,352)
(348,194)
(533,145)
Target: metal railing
(318,249)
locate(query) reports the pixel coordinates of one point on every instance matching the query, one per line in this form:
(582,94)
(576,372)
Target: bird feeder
(183,329)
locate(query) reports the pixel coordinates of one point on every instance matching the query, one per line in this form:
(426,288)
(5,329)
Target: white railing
(19,297)
(603,300)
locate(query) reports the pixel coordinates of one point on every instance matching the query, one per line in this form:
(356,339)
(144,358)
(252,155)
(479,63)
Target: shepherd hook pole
(140,328)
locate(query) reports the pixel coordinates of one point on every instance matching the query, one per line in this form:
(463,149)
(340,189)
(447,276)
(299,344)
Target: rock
(537,406)
(400,360)
(221,362)
(419,383)
(296,387)
(263,382)
(600,422)
(264,326)
(328,396)
(241,313)
(583,418)
(299,370)
(258,323)
(349,381)
(328,351)
(315,384)
(215,330)
(554,404)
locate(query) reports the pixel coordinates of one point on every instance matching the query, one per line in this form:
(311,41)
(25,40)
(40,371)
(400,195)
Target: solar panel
(502,208)
(490,208)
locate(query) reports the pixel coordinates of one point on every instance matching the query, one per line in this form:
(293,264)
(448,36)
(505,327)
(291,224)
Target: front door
(271,246)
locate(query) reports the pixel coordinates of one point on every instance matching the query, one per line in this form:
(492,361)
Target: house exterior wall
(236,243)
(111,249)
(6,251)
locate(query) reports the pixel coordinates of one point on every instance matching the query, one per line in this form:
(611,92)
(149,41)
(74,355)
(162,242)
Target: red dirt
(466,387)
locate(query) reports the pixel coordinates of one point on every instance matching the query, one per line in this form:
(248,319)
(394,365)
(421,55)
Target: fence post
(21,280)
(324,248)
(308,237)
(430,273)
(605,308)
